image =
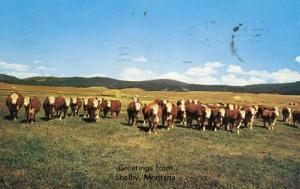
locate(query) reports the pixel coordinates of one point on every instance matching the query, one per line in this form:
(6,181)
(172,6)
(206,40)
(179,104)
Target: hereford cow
(145,114)
(169,113)
(32,107)
(286,114)
(61,106)
(296,116)
(270,116)
(75,105)
(199,112)
(233,118)
(93,109)
(154,114)
(250,113)
(14,102)
(112,106)
(84,104)
(216,117)
(133,111)
(48,106)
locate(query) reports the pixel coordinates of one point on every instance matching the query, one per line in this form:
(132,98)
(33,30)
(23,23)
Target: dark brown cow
(112,106)
(154,113)
(181,113)
(133,112)
(145,113)
(270,116)
(93,109)
(216,117)
(32,107)
(233,118)
(286,114)
(199,112)
(169,113)
(61,106)
(14,102)
(48,106)
(250,113)
(75,105)
(296,116)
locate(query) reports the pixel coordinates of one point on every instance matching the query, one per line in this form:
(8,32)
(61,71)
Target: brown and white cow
(154,114)
(93,109)
(14,102)
(270,117)
(48,106)
(250,113)
(32,107)
(61,106)
(112,106)
(286,114)
(234,118)
(296,116)
(75,105)
(216,117)
(198,112)
(133,111)
(169,113)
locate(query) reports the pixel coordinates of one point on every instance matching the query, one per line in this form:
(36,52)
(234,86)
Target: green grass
(74,154)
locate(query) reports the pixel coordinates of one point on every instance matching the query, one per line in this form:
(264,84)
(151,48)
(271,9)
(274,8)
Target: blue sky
(179,39)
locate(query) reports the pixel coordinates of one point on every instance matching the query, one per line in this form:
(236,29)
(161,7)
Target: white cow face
(155,109)
(85,101)
(208,112)
(137,106)
(195,101)
(165,101)
(68,100)
(109,103)
(222,112)
(51,100)
(26,101)
(276,111)
(95,103)
(14,98)
(169,107)
(231,107)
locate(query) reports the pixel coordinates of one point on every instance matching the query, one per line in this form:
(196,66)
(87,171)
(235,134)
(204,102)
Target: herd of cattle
(227,116)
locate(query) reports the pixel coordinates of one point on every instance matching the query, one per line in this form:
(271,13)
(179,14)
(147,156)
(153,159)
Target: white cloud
(37,61)
(13,66)
(207,69)
(139,59)
(44,68)
(215,73)
(93,75)
(135,74)
(297,59)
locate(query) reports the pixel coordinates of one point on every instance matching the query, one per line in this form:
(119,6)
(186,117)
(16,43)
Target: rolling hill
(151,85)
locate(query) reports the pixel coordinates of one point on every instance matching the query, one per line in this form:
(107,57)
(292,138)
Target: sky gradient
(184,40)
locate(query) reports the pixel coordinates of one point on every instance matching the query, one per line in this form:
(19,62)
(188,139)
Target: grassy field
(74,154)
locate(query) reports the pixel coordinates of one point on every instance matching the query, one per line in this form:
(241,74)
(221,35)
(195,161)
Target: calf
(114,106)
(61,106)
(216,118)
(14,102)
(296,116)
(48,106)
(286,114)
(133,112)
(75,105)
(270,116)
(233,118)
(32,107)
(93,109)
(169,113)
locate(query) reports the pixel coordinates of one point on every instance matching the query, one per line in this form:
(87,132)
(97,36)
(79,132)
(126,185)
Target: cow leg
(238,128)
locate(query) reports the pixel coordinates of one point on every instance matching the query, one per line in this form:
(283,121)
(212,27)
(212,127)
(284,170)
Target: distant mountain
(151,85)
